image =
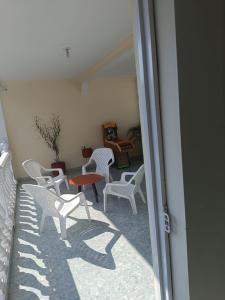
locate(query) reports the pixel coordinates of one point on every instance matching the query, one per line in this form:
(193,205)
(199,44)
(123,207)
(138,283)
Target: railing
(7,204)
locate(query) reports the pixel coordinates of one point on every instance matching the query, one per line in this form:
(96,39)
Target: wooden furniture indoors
(120,147)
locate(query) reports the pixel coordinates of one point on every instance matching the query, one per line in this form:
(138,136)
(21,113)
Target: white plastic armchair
(37,172)
(126,189)
(104,159)
(54,205)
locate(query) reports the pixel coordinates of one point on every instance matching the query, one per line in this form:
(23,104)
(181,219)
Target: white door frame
(149,105)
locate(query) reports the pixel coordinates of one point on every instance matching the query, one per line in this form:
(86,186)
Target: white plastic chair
(37,171)
(54,205)
(104,159)
(126,189)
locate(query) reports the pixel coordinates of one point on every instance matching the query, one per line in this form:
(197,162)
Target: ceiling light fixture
(67,51)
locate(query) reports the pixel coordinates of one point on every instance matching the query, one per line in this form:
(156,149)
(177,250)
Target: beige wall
(81,116)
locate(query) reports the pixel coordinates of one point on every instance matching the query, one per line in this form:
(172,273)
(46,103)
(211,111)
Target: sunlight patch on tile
(40,278)
(33,213)
(30,224)
(30,232)
(34,291)
(100,242)
(23,242)
(33,220)
(28,206)
(38,261)
(68,244)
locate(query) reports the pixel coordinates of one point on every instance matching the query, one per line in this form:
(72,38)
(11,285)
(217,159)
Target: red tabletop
(85,179)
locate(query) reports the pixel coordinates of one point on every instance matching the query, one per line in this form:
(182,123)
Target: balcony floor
(109,258)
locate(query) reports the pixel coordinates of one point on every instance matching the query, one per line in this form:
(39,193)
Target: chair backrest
(48,200)
(103,158)
(138,176)
(33,169)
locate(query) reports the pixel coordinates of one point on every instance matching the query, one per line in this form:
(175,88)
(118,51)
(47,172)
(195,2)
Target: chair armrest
(55,169)
(59,177)
(111,184)
(125,174)
(46,177)
(85,166)
(112,162)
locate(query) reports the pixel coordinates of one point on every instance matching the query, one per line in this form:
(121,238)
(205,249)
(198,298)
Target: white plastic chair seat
(67,197)
(68,207)
(126,189)
(56,180)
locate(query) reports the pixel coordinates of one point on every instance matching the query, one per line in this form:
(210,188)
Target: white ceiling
(122,66)
(33,34)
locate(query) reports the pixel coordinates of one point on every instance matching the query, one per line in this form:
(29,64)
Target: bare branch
(50,133)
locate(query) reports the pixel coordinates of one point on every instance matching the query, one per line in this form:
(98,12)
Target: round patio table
(87,179)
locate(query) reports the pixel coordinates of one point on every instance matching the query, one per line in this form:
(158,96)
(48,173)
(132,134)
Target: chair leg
(67,184)
(57,189)
(110,178)
(107,178)
(133,204)
(141,195)
(62,222)
(105,202)
(42,222)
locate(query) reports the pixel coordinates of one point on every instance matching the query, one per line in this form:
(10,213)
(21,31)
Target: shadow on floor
(46,267)
(134,227)
(39,261)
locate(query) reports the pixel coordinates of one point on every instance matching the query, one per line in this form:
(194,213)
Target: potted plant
(134,134)
(50,134)
(86,151)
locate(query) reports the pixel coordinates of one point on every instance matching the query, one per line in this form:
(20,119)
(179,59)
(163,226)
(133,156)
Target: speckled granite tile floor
(108,259)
